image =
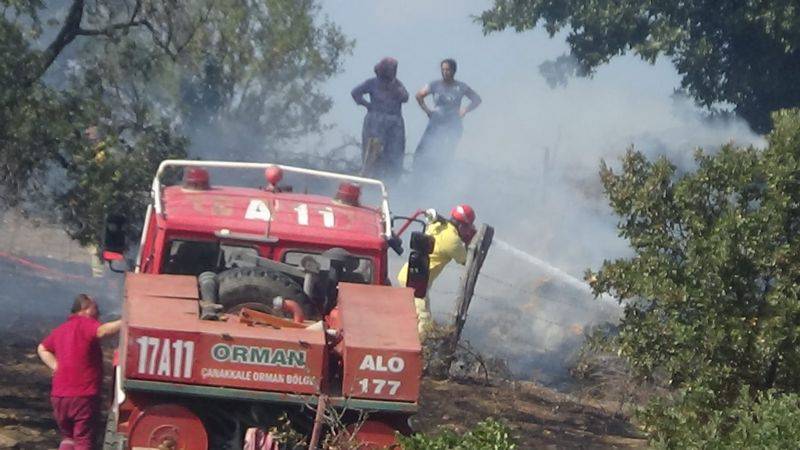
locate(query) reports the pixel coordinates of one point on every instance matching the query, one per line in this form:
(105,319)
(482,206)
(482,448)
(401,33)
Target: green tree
(148,74)
(742,53)
(711,291)
(768,420)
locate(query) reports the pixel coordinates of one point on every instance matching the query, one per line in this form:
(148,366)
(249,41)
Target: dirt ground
(25,415)
(539,417)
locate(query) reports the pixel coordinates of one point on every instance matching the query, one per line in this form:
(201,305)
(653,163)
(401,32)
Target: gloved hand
(431,215)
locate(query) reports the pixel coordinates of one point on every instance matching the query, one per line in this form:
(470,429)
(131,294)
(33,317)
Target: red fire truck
(252,305)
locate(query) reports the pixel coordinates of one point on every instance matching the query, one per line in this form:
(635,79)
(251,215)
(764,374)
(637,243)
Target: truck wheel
(255,284)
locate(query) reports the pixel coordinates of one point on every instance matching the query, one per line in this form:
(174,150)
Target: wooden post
(316,432)
(476,253)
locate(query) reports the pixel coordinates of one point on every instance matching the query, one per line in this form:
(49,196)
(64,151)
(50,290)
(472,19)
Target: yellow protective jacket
(447,245)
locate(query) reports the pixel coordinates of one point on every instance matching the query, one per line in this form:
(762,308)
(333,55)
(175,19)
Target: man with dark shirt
(72,351)
(383,137)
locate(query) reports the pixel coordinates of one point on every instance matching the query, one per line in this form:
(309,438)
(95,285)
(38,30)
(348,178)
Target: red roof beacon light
(349,193)
(274,175)
(195,178)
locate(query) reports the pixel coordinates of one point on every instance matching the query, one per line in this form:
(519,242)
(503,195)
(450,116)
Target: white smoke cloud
(528,162)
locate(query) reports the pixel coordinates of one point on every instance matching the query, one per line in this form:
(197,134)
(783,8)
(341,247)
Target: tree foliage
(738,52)
(770,420)
(487,434)
(149,74)
(712,289)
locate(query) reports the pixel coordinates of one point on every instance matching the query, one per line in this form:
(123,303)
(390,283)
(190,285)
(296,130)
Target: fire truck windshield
(195,257)
(362,273)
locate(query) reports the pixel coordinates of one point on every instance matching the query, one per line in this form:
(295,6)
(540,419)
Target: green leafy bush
(711,291)
(486,435)
(771,421)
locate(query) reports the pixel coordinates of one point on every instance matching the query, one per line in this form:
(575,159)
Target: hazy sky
(420,33)
(522,121)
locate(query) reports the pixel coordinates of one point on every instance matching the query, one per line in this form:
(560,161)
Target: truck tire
(256,284)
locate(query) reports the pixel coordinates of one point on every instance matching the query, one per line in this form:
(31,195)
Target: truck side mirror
(419,263)
(114,237)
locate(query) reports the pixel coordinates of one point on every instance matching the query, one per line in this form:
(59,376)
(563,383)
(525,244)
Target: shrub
(769,421)
(486,435)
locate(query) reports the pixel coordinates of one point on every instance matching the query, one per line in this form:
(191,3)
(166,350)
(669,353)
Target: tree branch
(109,30)
(62,161)
(197,25)
(71,29)
(159,43)
(136,10)
(65,36)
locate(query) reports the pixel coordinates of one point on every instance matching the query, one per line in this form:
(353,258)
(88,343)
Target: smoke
(528,163)
(42,270)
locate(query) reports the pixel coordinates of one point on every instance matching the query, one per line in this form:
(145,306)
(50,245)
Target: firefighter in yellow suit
(450,240)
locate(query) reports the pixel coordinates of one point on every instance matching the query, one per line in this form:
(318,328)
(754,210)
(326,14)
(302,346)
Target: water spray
(550,269)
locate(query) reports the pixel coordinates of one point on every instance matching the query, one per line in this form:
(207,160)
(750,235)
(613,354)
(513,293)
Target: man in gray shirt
(383,136)
(441,136)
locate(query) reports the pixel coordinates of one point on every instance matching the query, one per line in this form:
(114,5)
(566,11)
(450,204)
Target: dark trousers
(77,419)
(437,146)
(390,131)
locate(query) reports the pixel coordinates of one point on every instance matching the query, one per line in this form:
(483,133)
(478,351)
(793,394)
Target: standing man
(451,238)
(72,351)
(383,137)
(441,136)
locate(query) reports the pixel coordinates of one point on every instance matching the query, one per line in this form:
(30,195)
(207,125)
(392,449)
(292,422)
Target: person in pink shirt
(72,351)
